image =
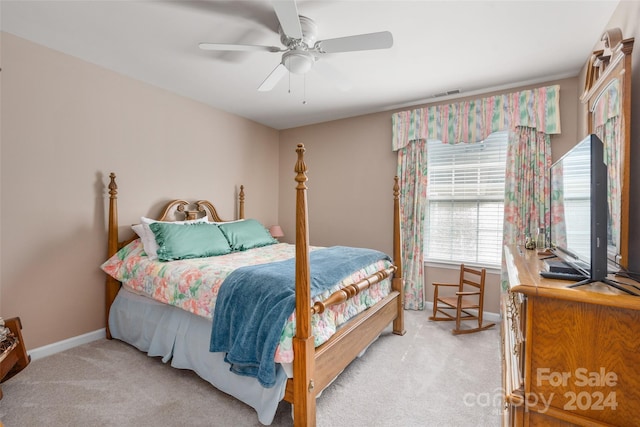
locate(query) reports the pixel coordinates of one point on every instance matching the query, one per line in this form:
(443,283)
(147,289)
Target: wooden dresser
(571,356)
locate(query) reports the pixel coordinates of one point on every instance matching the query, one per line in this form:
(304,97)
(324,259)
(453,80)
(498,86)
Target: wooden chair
(465,304)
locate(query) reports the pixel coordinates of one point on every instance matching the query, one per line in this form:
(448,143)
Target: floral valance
(473,121)
(608,105)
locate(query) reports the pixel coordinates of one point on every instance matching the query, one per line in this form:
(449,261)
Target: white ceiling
(439,46)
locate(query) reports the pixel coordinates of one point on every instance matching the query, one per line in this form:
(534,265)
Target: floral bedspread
(193,285)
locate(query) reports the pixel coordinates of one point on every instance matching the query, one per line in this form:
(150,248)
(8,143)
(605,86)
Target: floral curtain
(526,193)
(527,114)
(412,170)
(611,138)
(606,124)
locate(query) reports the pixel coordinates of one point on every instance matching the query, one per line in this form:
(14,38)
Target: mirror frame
(605,65)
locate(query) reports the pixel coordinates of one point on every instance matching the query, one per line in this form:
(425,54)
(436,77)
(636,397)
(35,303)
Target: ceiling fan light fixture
(298,62)
(301,47)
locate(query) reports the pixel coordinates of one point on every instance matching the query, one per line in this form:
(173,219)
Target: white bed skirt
(183,338)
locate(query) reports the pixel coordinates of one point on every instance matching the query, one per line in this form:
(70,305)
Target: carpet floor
(428,377)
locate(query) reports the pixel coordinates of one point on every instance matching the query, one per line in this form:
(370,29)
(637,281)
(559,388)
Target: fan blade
(272,79)
(338,79)
(381,40)
(238,47)
(287,13)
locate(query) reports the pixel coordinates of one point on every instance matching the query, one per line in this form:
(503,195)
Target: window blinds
(465,201)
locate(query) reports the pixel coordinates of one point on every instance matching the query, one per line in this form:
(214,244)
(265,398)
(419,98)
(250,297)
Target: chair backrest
(467,303)
(472,277)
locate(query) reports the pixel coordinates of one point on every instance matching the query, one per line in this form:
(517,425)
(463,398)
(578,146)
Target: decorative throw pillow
(149,239)
(247,234)
(183,241)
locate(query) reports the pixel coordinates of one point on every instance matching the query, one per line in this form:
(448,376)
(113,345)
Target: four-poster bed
(314,366)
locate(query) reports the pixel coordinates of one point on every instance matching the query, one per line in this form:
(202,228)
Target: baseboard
(57,347)
(491,317)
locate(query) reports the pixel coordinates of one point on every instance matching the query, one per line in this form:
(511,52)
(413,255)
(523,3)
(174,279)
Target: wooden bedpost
(241,203)
(397,283)
(304,407)
(112,285)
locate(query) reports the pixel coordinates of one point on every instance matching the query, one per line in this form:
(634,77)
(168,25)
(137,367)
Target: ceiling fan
(302,50)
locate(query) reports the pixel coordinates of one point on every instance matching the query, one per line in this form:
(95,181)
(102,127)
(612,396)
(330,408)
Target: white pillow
(227,222)
(149,239)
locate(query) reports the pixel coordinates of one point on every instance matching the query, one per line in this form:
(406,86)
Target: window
(465,201)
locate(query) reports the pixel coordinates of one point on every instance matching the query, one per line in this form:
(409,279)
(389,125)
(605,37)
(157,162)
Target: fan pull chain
(289,82)
(304,89)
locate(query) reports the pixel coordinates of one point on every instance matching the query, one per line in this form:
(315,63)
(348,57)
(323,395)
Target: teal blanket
(255,302)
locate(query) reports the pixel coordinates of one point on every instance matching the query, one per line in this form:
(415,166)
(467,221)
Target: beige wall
(65,125)
(351,169)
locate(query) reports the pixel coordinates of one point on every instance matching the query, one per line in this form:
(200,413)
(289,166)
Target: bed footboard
(314,369)
(351,291)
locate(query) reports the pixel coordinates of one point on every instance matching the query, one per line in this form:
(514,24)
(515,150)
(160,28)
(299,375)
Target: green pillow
(246,234)
(182,241)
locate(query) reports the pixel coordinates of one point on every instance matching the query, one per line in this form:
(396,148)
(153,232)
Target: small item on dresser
(529,243)
(563,276)
(540,239)
(546,253)
(558,266)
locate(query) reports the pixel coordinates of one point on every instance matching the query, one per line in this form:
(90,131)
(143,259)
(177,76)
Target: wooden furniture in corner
(571,356)
(17,358)
(466,304)
(609,70)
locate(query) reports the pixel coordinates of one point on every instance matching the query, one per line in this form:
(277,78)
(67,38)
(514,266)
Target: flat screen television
(579,207)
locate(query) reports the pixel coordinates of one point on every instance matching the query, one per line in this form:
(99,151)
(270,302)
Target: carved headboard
(607,104)
(183,210)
